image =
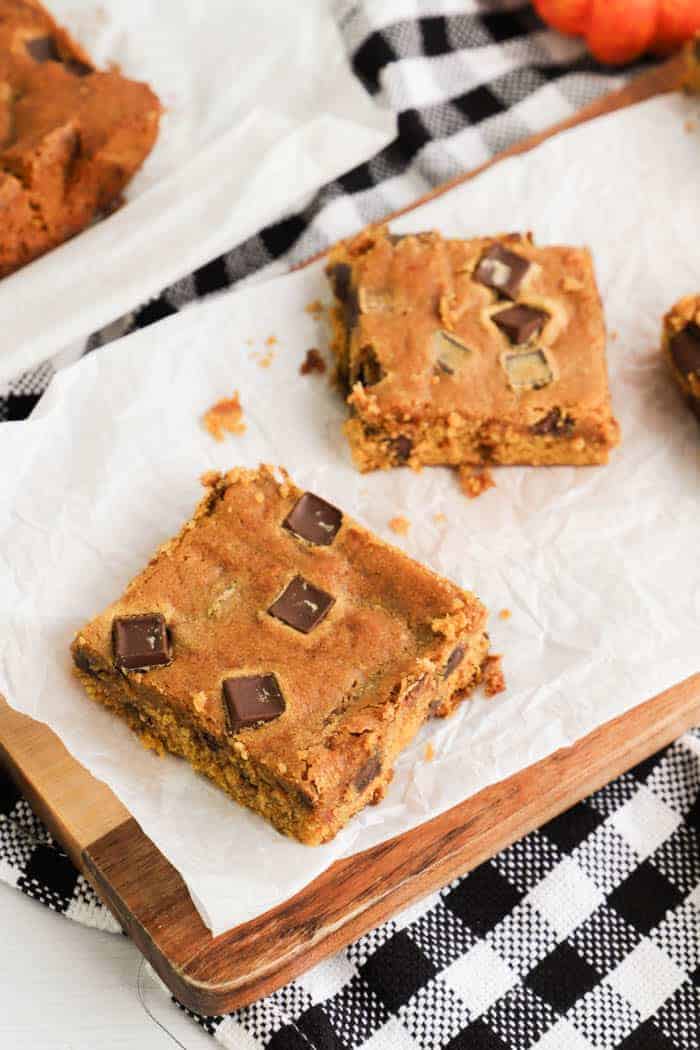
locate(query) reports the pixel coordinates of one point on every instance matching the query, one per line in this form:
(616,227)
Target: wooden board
(215,975)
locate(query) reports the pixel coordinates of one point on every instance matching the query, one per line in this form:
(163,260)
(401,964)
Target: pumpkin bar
(681,344)
(483,351)
(71,137)
(284,651)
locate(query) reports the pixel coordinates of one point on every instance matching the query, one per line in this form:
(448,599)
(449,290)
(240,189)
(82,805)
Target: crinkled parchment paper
(261,108)
(599,566)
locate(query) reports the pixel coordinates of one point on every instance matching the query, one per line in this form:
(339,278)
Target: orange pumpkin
(620,30)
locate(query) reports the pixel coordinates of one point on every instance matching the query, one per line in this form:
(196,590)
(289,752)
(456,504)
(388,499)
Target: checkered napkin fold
(586,934)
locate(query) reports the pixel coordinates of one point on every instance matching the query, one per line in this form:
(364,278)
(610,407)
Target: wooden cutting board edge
(215,975)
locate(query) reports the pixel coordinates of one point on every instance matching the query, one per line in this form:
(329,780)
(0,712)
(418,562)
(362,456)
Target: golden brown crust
(357,687)
(71,137)
(426,365)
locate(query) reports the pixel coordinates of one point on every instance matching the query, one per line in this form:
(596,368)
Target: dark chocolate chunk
(402,448)
(314,520)
(501,270)
(520,323)
(77,68)
(554,422)
(368,369)
(454,660)
(369,771)
(340,277)
(141,642)
(251,700)
(301,605)
(43,49)
(685,349)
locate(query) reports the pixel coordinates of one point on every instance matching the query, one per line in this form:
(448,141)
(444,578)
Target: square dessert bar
(483,351)
(681,344)
(284,651)
(71,137)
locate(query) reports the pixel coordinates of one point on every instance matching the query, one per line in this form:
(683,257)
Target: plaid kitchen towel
(586,934)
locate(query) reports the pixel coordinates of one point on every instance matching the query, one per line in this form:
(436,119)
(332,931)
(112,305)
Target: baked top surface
(47,82)
(215,585)
(411,289)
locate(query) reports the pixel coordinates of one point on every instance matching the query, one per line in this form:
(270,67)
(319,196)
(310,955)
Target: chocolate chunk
(554,422)
(520,323)
(252,700)
(685,349)
(43,49)
(314,520)
(528,371)
(369,771)
(694,403)
(368,370)
(450,353)
(402,448)
(454,660)
(77,68)
(141,642)
(301,605)
(340,277)
(501,270)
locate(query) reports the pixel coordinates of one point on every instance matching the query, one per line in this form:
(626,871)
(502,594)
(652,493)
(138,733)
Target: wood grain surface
(214,975)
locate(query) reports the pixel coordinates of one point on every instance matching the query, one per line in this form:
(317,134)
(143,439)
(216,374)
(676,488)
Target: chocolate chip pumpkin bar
(483,351)
(681,344)
(71,137)
(284,651)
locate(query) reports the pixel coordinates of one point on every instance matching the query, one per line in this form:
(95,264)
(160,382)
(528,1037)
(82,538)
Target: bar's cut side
(483,351)
(681,345)
(71,137)
(284,651)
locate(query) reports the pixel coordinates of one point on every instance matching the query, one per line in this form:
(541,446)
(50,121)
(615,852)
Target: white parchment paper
(261,109)
(598,565)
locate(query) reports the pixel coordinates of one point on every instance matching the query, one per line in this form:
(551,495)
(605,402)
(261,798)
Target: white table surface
(66,987)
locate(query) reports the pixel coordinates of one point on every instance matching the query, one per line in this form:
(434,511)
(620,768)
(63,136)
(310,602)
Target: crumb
(505,614)
(225,415)
(313,362)
(690,126)
(475,480)
(400,525)
(494,679)
(271,340)
(613,336)
(439,518)
(265,360)
(429,753)
(250,342)
(316,309)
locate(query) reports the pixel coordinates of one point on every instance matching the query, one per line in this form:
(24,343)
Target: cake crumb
(225,415)
(429,753)
(475,480)
(313,362)
(690,126)
(613,336)
(271,340)
(505,614)
(316,309)
(439,518)
(494,679)
(400,525)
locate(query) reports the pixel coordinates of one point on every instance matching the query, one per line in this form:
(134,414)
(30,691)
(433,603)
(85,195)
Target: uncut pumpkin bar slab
(284,651)
(470,352)
(71,136)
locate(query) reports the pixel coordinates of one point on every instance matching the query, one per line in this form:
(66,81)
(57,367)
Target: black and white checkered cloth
(586,934)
